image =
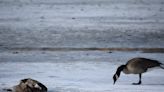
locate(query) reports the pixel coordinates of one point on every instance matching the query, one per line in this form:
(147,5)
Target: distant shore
(144,50)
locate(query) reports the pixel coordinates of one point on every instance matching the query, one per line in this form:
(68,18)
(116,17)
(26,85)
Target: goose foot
(137,83)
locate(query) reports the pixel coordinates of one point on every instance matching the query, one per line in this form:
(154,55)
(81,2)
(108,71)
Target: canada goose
(137,66)
(28,85)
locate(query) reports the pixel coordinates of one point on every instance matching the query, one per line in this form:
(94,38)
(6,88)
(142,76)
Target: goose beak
(115,77)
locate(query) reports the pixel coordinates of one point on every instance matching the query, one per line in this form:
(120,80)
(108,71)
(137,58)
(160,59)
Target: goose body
(136,66)
(28,85)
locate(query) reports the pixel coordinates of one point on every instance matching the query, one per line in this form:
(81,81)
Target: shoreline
(144,50)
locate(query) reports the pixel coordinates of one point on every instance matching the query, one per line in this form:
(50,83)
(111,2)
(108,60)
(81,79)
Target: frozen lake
(27,27)
(78,71)
(81,23)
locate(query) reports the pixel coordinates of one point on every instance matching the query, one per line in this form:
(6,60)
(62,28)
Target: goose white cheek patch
(37,86)
(116,76)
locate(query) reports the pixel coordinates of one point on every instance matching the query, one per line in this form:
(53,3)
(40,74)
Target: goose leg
(140,75)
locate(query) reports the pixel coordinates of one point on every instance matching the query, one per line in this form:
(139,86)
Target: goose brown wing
(150,63)
(143,62)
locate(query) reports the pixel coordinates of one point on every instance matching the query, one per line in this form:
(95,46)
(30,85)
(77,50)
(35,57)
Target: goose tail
(162,65)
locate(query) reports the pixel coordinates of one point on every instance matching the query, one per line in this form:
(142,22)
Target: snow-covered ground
(81,23)
(78,71)
(33,24)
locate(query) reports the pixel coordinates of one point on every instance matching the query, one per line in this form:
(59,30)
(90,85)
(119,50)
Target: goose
(28,85)
(136,66)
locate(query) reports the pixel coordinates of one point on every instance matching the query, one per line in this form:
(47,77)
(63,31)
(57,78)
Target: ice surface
(78,71)
(81,23)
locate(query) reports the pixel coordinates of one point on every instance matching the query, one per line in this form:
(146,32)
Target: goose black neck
(119,69)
